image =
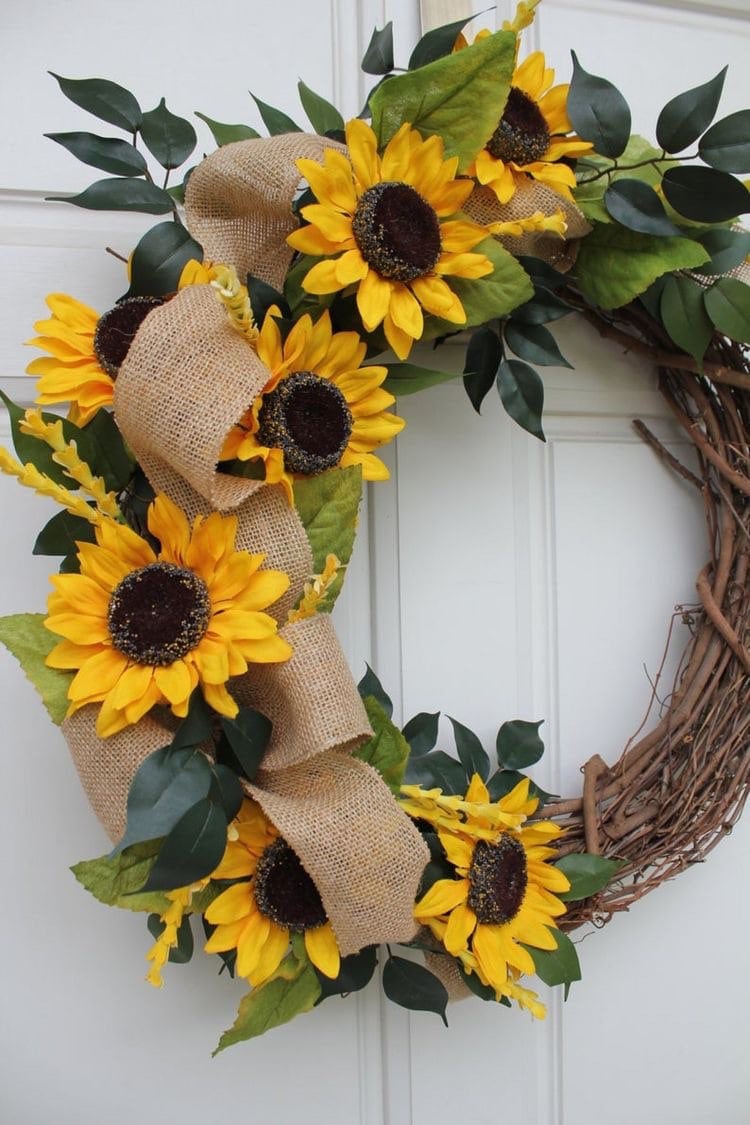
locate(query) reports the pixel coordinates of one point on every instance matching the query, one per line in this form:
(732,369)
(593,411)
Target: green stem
(654,161)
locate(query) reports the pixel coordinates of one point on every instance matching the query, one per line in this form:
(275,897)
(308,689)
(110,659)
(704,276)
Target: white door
(495,578)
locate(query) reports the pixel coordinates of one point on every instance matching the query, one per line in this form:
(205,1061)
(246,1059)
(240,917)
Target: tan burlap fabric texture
(483,207)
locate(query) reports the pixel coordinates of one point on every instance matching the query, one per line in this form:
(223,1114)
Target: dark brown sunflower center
(159,613)
(522,135)
(497,880)
(397,231)
(284,891)
(308,418)
(115,330)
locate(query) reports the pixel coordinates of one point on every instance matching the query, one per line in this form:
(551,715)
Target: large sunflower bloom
(319,409)
(144,628)
(503,896)
(385,222)
(531,137)
(275,899)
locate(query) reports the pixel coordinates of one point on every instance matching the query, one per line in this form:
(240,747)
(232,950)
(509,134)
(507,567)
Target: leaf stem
(654,160)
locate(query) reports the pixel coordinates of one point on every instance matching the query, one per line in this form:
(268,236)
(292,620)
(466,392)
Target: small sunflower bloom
(387,225)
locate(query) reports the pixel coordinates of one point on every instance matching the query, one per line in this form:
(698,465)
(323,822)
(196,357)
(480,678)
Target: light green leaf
(387,751)
(293,989)
(111,879)
(460,97)
(328,505)
(587,874)
(25,636)
(488,297)
(615,265)
(408,378)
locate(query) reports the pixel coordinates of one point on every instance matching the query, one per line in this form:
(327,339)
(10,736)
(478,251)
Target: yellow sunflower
(144,628)
(503,897)
(319,408)
(384,224)
(532,137)
(276,898)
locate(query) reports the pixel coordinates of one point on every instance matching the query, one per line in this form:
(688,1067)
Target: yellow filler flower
(275,899)
(531,139)
(503,896)
(318,410)
(144,628)
(386,223)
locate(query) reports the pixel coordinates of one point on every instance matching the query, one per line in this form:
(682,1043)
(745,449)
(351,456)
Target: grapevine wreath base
(241,774)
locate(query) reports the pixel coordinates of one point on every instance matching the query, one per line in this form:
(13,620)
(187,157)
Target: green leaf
(518,744)
(114,879)
(726,145)
(557,966)
(503,782)
(180,953)
(159,258)
(106,100)
(590,195)
(483,357)
(421,733)
(684,316)
(438,43)
(248,736)
(102,447)
(486,298)
(371,685)
(637,206)
(378,58)
(62,534)
(192,849)
(323,116)
(542,274)
(262,297)
(196,727)
(684,118)
(522,394)
(226,790)
(228,134)
(414,987)
(165,786)
(25,636)
(30,450)
(437,770)
(534,343)
(356,972)
(543,308)
(387,751)
(460,97)
(587,874)
(483,991)
(293,989)
(615,265)
(108,153)
(705,195)
(274,120)
(598,111)
(728,249)
(408,378)
(471,753)
(728,304)
(169,139)
(328,505)
(120,195)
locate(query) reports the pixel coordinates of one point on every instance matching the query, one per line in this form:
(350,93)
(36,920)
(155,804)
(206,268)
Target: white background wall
(499,579)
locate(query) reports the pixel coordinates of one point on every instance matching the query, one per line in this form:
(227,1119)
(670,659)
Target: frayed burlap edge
(483,207)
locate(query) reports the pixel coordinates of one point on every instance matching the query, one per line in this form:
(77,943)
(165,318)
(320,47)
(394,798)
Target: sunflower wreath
(221,420)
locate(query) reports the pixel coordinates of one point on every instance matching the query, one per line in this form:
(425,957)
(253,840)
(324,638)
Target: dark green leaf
(437,770)
(355,973)
(542,273)
(387,751)
(684,316)
(407,378)
(483,357)
(166,785)
(651,298)
(169,139)
(414,987)
(159,258)
(728,249)
(180,953)
(108,153)
(61,535)
(323,116)
(32,451)
(192,849)
(378,57)
(197,726)
(598,111)
(106,100)
(534,343)
(421,733)
(102,447)
(637,206)
(262,297)
(371,685)
(684,118)
(226,790)
(248,736)
(503,782)
(471,753)
(541,309)
(705,195)
(518,744)
(557,966)
(438,43)
(228,134)
(522,393)
(483,991)
(124,194)
(728,304)
(726,145)
(587,874)
(274,119)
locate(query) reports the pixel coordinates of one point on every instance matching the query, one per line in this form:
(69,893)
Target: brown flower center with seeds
(159,613)
(397,231)
(116,329)
(497,880)
(284,892)
(308,418)
(522,135)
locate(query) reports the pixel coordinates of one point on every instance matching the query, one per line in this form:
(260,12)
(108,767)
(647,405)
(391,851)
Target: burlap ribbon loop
(530,196)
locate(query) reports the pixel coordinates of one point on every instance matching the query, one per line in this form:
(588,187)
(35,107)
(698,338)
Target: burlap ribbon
(531,196)
(187,379)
